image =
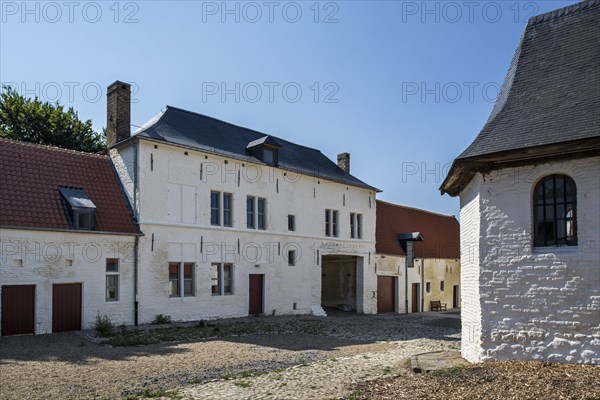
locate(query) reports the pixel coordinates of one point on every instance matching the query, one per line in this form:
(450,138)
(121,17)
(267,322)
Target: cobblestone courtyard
(248,358)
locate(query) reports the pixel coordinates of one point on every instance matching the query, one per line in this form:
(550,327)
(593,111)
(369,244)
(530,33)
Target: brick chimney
(118,112)
(344,161)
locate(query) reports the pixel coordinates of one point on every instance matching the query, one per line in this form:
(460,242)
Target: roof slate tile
(31,175)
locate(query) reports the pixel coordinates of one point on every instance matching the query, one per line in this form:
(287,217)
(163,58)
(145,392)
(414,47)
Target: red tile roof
(31,175)
(441,233)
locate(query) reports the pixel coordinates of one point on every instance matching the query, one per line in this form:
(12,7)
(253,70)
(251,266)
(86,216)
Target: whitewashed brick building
(529,188)
(237,222)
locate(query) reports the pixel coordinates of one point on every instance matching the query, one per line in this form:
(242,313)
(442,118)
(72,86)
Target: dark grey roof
(551,93)
(264,140)
(77,198)
(416,236)
(185,128)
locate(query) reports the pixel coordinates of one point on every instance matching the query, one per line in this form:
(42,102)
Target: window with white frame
(250,223)
(215,208)
(355,226)
(256,210)
(221,209)
(112,279)
(221,279)
(331,223)
(174,279)
(181,279)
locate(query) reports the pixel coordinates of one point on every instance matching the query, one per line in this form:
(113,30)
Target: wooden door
(386,294)
(256,294)
(455,303)
(66,307)
(18,309)
(415,297)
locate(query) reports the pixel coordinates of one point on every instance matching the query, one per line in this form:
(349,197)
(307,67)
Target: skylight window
(80,207)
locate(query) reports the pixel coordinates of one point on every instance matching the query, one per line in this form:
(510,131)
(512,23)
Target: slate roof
(440,233)
(551,93)
(32,175)
(186,128)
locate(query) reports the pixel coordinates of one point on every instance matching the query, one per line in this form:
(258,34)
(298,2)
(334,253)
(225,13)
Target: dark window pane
(261,213)
(174,279)
(291,222)
(327,223)
(334,224)
(215,286)
(227,278)
(352,218)
(250,212)
(268,156)
(188,279)
(112,285)
(214,208)
(227,209)
(112,265)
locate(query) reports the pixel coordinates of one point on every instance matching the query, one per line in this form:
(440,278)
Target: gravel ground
(500,380)
(70,366)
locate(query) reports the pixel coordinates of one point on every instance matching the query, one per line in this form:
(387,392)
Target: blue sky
(404,86)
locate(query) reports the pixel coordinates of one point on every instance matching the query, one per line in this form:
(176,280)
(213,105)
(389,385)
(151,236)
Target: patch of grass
(104,325)
(457,369)
(131,339)
(227,377)
(161,319)
(277,377)
(302,362)
(357,394)
(147,394)
(242,384)
(387,370)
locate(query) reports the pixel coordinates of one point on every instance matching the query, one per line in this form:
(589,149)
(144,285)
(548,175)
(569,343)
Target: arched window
(555,211)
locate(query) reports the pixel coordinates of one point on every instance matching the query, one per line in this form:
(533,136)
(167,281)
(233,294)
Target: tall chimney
(118,112)
(344,161)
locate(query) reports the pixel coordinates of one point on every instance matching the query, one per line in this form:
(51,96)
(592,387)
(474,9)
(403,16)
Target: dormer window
(269,156)
(265,149)
(80,208)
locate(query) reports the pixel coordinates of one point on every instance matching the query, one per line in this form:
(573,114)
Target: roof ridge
(417,209)
(241,127)
(560,12)
(52,148)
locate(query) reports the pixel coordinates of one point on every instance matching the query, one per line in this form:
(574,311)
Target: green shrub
(104,325)
(162,319)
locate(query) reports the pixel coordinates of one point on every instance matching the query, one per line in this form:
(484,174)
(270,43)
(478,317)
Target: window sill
(555,250)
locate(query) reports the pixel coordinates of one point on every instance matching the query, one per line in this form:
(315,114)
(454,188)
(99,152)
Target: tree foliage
(31,120)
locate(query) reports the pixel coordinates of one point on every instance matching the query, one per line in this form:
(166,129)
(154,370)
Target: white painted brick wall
(174,207)
(533,303)
(43,254)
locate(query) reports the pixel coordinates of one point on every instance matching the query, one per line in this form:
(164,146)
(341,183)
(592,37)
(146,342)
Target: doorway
(66,307)
(256,293)
(386,294)
(455,299)
(416,297)
(18,309)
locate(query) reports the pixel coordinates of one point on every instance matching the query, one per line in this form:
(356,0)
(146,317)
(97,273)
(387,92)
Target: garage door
(386,294)
(18,309)
(66,307)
